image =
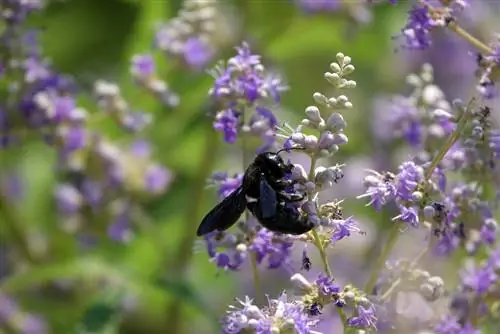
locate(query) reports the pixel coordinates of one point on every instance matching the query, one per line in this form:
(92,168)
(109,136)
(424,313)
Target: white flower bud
(299,173)
(313,114)
(311,142)
(320,98)
(340,58)
(414,80)
(241,248)
(301,283)
(254,312)
(348,69)
(332,102)
(335,67)
(348,105)
(340,139)
(342,99)
(332,78)
(432,94)
(346,60)
(298,138)
(436,281)
(326,140)
(336,122)
(350,84)
(441,113)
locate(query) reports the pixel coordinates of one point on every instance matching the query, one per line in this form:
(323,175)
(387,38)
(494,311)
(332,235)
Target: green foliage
(93,39)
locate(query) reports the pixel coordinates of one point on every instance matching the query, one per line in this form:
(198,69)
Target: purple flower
(410,175)
(326,285)
(408,215)
(319,5)
(365,317)
(68,199)
(143,65)
(264,247)
(119,229)
(244,79)
(227,121)
(226,184)
(157,179)
(451,325)
(197,53)
(280,315)
(417,30)
(479,280)
(344,228)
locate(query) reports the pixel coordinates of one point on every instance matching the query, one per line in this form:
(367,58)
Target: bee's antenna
(291,149)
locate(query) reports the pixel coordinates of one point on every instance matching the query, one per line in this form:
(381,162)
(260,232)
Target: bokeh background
(161,281)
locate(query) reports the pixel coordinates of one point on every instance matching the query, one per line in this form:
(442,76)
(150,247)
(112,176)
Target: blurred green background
(168,287)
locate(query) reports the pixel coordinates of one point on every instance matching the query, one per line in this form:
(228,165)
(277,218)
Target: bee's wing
(267,199)
(225,214)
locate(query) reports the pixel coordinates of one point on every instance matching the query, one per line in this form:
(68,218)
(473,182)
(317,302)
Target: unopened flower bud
(314,114)
(320,98)
(301,283)
(348,69)
(340,139)
(336,122)
(335,67)
(299,173)
(340,58)
(332,78)
(326,140)
(311,142)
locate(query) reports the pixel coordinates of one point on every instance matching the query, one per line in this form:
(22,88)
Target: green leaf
(185,292)
(102,316)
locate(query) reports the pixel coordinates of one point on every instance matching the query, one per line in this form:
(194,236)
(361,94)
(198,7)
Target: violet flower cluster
(192,36)
(446,187)
(242,88)
(101,185)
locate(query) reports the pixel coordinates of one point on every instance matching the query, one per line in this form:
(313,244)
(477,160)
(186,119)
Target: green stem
(380,263)
(322,252)
(246,161)
(15,227)
(459,31)
(396,283)
(393,236)
(462,121)
(184,253)
(319,244)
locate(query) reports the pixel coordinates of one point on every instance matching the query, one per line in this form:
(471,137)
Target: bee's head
(271,163)
(274,164)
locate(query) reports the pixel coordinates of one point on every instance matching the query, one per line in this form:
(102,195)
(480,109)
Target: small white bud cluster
(109,98)
(196,18)
(331,129)
(154,85)
(430,101)
(55,107)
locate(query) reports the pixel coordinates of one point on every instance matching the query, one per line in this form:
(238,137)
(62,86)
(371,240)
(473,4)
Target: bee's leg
(282,184)
(292,197)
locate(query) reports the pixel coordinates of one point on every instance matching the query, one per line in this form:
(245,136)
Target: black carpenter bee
(263,192)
